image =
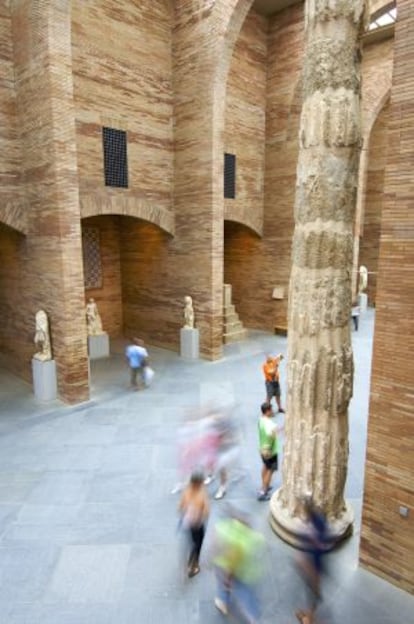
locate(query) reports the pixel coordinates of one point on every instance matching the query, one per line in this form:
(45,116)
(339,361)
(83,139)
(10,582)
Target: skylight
(384,19)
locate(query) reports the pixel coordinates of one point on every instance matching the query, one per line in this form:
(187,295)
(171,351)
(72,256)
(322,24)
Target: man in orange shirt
(271,373)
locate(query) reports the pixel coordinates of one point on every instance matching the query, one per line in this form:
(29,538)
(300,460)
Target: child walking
(194,509)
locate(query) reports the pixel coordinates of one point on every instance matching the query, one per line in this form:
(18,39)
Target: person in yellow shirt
(238,560)
(271,374)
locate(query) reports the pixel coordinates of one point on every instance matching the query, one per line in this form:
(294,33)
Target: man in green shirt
(268,446)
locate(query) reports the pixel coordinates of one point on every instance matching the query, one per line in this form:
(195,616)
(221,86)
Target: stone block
(363,302)
(44,379)
(98,346)
(278,292)
(189,343)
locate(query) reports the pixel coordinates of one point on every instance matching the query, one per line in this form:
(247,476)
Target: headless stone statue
(188,313)
(42,337)
(93,318)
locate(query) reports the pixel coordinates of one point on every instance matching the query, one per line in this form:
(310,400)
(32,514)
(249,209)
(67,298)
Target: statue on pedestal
(93,318)
(363,279)
(188,313)
(42,337)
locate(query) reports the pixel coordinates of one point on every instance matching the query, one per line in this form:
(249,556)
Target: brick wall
(386,537)
(245,122)
(255,266)
(129,86)
(369,244)
(122,70)
(11,197)
(11,242)
(122,79)
(377,64)
(145,262)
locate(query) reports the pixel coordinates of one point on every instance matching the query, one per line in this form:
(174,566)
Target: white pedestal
(189,342)
(363,302)
(44,379)
(98,346)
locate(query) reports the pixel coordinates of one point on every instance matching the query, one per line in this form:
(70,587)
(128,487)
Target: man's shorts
(272,389)
(271,463)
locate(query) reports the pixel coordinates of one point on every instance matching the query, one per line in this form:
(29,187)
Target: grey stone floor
(88,524)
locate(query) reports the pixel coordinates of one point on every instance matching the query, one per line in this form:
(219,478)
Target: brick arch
(381,102)
(101,203)
(14,214)
(237,13)
(237,215)
(362,179)
(363,165)
(232,14)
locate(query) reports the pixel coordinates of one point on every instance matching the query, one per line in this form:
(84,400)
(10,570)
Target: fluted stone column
(320,361)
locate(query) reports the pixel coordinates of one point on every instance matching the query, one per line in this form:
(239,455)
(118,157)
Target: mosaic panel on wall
(92,266)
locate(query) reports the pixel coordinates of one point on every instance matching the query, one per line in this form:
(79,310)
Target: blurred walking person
(238,561)
(315,543)
(228,456)
(137,357)
(194,510)
(197,440)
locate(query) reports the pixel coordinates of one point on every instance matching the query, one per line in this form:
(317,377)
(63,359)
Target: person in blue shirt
(137,357)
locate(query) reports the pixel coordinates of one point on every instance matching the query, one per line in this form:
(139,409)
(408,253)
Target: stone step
(233,329)
(235,336)
(232,326)
(231,318)
(229,309)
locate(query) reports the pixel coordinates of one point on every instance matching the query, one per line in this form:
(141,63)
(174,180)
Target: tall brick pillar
(204,36)
(53,278)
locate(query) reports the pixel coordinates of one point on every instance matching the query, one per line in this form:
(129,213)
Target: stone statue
(93,318)
(188,313)
(42,337)
(363,279)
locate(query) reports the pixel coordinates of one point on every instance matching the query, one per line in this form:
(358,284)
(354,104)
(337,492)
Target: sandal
(193,571)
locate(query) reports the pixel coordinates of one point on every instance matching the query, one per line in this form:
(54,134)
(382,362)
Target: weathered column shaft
(320,364)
